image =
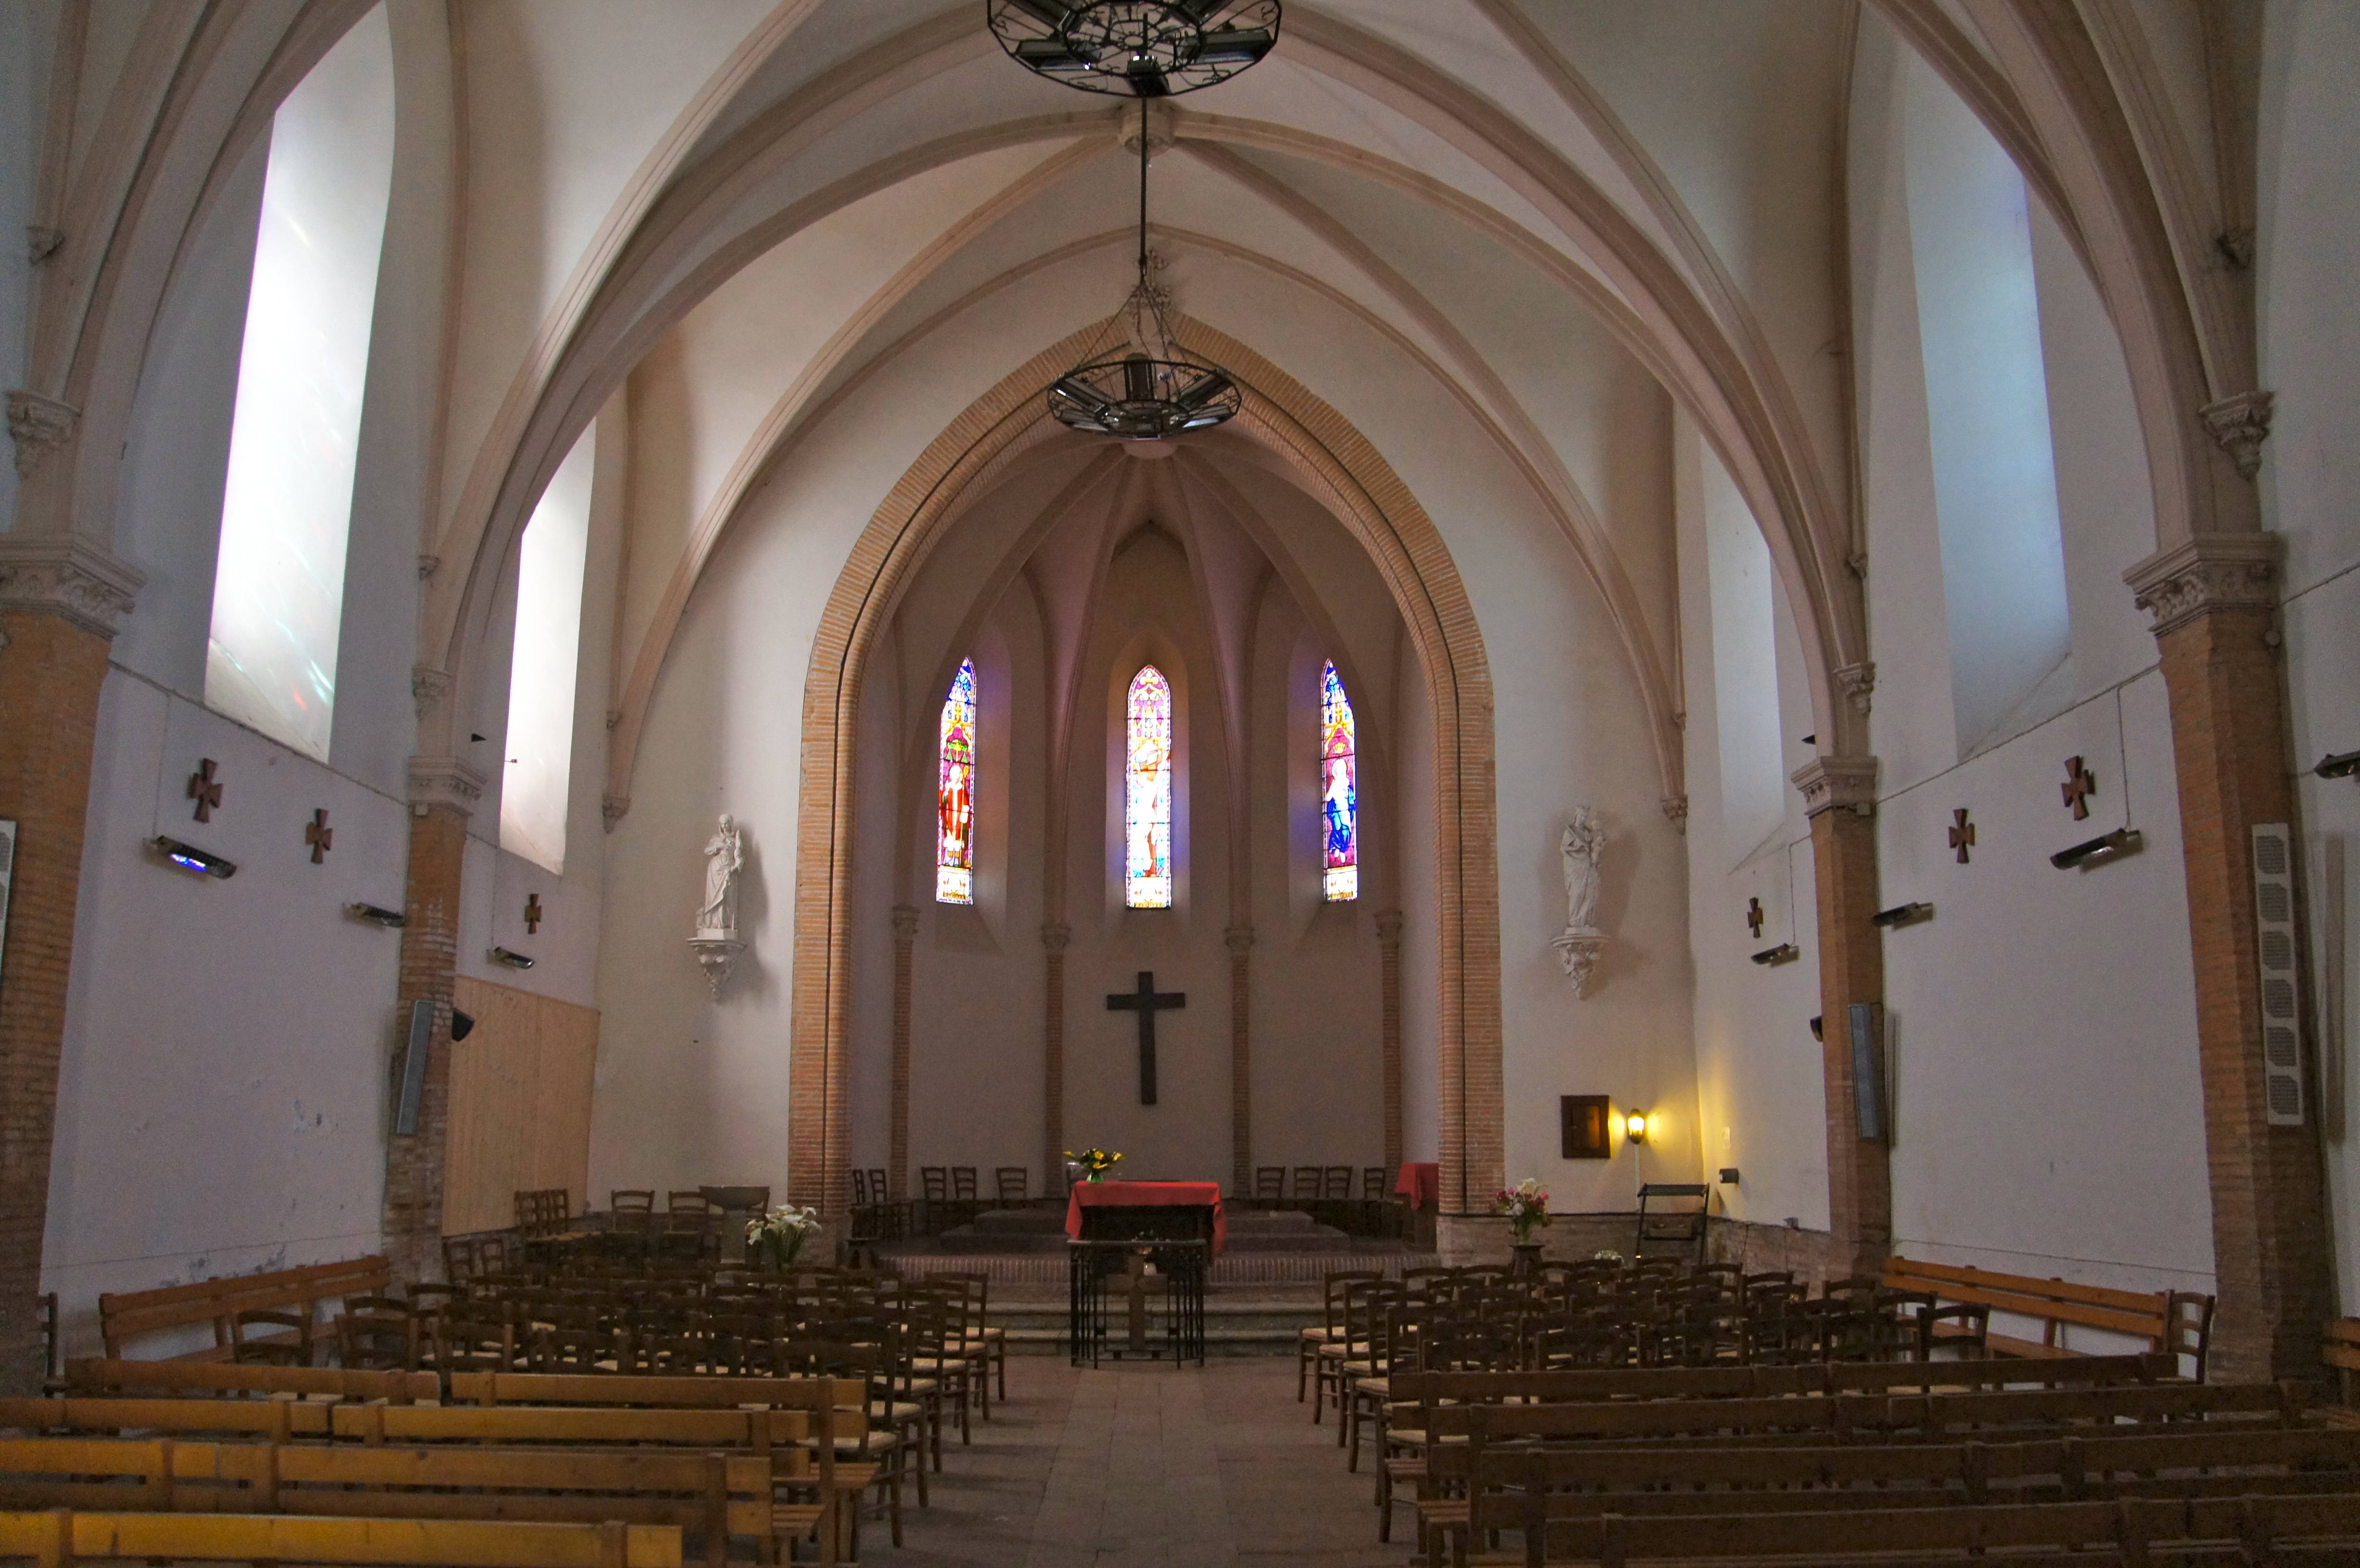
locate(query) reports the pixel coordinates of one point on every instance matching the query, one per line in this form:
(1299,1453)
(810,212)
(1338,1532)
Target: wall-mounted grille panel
(2281,1014)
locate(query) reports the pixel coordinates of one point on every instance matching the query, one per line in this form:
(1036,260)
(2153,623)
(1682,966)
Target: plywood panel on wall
(520,1105)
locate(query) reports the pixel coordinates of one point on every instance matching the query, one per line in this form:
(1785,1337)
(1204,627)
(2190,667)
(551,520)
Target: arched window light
(278,585)
(955,793)
(1147,792)
(537,782)
(1339,791)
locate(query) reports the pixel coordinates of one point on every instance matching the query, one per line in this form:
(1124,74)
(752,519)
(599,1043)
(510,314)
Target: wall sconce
(2342,765)
(1635,1127)
(1778,954)
(189,857)
(2105,848)
(1902,915)
(513,960)
(376,916)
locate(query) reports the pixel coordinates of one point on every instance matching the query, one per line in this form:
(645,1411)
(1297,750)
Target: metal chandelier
(1148,49)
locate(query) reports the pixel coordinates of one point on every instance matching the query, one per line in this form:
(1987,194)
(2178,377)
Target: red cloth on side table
(1147,1194)
(1421,1182)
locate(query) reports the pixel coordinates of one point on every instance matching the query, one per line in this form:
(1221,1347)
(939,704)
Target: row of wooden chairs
(1770,1464)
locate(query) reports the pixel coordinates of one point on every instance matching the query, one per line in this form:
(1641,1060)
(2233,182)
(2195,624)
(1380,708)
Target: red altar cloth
(1147,1194)
(1421,1182)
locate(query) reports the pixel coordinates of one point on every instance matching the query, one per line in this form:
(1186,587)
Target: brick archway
(1337,462)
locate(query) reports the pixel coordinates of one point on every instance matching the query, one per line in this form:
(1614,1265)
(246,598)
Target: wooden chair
(934,1189)
(1269,1186)
(1014,1182)
(980,1331)
(1307,1185)
(261,1335)
(1328,1331)
(966,1200)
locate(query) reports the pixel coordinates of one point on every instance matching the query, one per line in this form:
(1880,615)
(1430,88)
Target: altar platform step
(1045,1271)
(1240,1319)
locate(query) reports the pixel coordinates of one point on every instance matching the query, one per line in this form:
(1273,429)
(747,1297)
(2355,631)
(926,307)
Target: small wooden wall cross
(205,790)
(1754,916)
(319,836)
(532,915)
(2079,786)
(1962,833)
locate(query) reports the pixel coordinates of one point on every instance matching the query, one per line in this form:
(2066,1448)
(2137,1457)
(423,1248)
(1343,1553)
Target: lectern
(1138,1231)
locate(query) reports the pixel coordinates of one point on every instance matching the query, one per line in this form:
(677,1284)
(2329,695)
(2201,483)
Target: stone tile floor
(1141,1465)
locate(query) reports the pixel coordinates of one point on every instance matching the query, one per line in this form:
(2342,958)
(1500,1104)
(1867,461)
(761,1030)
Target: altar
(1168,1231)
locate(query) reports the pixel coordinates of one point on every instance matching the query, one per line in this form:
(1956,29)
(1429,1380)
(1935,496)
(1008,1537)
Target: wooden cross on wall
(1962,833)
(1754,916)
(532,915)
(1147,1001)
(205,790)
(2079,786)
(319,836)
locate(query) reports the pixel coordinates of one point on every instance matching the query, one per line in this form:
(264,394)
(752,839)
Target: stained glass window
(1147,792)
(954,797)
(1339,791)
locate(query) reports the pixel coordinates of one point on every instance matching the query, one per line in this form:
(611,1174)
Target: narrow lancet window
(1147,792)
(955,793)
(1339,791)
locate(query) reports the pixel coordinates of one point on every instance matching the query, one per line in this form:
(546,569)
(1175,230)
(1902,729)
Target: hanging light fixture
(1148,49)
(1157,390)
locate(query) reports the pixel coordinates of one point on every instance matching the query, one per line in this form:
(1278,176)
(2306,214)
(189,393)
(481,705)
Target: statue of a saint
(723,858)
(1583,842)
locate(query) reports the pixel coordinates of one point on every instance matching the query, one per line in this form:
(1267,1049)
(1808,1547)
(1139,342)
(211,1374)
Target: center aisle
(1139,1466)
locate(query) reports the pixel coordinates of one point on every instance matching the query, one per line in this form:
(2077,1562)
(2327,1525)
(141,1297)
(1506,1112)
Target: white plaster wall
(2310,494)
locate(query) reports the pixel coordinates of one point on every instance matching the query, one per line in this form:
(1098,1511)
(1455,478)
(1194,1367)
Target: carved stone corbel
(613,808)
(428,687)
(1857,681)
(39,426)
(2240,425)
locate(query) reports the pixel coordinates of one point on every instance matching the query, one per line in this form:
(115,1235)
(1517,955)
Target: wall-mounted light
(513,960)
(2096,851)
(1729,1175)
(376,915)
(1778,954)
(1819,1030)
(1902,915)
(1635,1127)
(2342,765)
(189,857)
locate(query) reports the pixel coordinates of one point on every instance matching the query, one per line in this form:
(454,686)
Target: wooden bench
(715,1495)
(782,1438)
(60,1536)
(198,1378)
(2177,1323)
(2243,1529)
(125,1316)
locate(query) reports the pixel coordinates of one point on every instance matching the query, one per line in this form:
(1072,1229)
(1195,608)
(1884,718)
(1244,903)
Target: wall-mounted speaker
(413,1068)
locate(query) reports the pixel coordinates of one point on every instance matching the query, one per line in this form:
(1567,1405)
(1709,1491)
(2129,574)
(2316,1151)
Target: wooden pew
(779,1438)
(716,1495)
(2297,1529)
(123,1316)
(60,1536)
(198,1378)
(2175,1321)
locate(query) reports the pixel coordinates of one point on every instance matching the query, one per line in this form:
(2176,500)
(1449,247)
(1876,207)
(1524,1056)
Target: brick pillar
(1240,940)
(442,794)
(1839,797)
(2214,602)
(1388,1038)
(1054,939)
(57,604)
(905,941)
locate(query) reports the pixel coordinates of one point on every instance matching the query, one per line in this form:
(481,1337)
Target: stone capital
(613,808)
(2208,573)
(67,576)
(2239,426)
(39,426)
(1240,938)
(905,923)
(1676,810)
(1829,782)
(1054,938)
(451,782)
(1388,926)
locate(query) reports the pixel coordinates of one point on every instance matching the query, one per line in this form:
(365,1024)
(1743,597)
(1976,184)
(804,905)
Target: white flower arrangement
(782,1231)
